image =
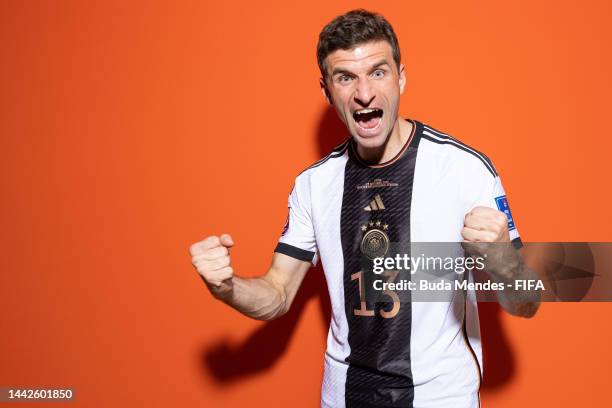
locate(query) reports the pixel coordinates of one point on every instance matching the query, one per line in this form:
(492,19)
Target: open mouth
(368,119)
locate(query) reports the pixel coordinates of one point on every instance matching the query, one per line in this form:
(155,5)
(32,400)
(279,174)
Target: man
(394,180)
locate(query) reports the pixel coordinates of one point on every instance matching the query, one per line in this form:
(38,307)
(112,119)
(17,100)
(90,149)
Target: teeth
(364,111)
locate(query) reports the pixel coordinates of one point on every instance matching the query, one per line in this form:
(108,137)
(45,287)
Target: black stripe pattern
(379,373)
(338,151)
(438,137)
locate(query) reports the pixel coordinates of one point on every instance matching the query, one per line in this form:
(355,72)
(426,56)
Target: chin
(369,142)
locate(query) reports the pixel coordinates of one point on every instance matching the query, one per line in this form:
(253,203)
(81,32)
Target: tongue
(369,123)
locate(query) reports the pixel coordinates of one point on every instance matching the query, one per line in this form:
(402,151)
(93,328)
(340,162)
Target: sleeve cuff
(295,252)
(517,243)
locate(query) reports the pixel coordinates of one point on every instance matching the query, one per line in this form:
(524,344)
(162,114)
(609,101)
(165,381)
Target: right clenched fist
(212,260)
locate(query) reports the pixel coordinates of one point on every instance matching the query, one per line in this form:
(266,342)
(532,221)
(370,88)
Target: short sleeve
(298,239)
(494,196)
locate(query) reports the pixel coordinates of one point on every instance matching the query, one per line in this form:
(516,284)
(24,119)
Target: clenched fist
(484,224)
(486,234)
(211,258)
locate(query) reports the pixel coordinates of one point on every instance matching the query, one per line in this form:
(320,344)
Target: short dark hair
(352,28)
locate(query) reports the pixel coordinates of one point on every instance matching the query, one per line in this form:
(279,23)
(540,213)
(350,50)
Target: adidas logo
(376,204)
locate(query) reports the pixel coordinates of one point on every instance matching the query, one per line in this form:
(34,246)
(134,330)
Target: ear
(325,91)
(402,78)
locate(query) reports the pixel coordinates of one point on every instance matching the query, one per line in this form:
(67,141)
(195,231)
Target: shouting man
(394,180)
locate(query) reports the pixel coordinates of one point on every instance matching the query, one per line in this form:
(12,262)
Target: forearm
(519,302)
(263,298)
(257,298)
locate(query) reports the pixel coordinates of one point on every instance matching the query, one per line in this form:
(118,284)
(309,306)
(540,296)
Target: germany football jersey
(393,354)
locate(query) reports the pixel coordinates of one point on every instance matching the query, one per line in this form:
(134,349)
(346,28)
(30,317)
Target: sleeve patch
(502,205)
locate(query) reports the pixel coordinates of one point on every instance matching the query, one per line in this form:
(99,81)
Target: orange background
(131,129)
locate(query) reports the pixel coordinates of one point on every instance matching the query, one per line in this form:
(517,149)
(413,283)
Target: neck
(391,147)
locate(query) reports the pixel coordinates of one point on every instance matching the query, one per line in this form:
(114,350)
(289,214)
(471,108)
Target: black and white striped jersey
(422,354)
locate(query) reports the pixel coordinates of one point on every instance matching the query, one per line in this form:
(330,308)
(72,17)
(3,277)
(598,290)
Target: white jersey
(424,354)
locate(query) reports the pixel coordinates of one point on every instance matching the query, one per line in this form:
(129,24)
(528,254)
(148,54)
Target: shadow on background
(331,131)
(568,270)
(499,362)
(229,363)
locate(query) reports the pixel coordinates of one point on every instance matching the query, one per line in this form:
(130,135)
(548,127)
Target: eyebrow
(380,63)
(340,70)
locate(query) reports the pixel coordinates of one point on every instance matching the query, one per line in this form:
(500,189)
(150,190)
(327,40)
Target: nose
(364,92)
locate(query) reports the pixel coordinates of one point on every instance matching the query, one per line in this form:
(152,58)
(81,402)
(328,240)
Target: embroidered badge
(502,205)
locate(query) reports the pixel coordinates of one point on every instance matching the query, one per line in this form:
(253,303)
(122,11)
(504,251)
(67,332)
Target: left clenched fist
(485,232)
(484,224)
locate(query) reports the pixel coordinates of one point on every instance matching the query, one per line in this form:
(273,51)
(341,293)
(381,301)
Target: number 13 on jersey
(363,309)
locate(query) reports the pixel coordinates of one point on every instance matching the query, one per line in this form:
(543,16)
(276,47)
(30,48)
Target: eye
(344,78)
(379,73)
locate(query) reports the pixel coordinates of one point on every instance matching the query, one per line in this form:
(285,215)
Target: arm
(507,269)
(486,232)
(263,298)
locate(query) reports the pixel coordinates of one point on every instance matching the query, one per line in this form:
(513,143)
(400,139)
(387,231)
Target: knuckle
(209,253)
(200,263)
(478,210)
(204,246)
(194,249)
(199,258)
(217,252)
(212,277)
(212,241)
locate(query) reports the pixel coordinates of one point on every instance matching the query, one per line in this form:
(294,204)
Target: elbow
(526,310)
(276,307)
(269,316)
(525,305)
(282,306)
(531,306)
